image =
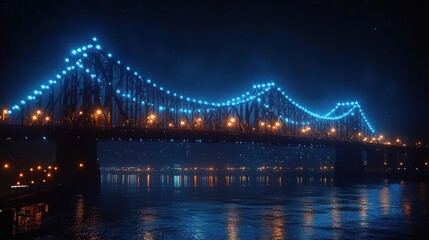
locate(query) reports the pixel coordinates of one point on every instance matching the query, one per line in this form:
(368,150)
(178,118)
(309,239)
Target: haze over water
(240,206)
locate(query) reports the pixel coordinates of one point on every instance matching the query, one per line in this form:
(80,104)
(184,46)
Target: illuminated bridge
(98,97)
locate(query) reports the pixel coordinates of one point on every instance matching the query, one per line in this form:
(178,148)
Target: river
(244,206)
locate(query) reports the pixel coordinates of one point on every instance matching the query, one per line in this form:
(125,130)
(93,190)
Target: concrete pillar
(375,158)
(76,158)
(349,166)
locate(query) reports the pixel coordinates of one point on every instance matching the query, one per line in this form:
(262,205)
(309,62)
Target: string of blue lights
(82,52)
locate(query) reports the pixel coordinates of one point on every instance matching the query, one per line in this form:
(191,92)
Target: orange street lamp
(5,167)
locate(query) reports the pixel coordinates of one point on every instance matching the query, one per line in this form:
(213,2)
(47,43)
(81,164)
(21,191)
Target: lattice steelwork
(97,90)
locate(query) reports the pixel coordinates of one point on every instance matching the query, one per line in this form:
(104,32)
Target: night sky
(371,51)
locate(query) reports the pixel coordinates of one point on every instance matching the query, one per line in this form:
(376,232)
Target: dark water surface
(156,206)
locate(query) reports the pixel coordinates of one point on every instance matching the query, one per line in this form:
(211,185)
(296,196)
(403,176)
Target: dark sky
(371,51)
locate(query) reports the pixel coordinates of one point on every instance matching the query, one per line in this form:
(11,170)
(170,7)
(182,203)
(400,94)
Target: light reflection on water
(169,206)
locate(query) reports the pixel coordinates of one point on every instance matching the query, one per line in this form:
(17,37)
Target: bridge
(98,97)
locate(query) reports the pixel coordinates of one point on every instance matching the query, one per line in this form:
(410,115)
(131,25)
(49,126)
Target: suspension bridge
(98,97)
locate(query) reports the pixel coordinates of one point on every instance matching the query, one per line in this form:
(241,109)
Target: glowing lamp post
(5,111)
(262,125)
(5,168)
(98,114)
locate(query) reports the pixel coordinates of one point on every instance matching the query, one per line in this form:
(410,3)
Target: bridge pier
(375,160)
(349,166)
(76,158)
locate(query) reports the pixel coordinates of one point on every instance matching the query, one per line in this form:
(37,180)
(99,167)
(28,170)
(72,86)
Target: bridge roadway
(78,145)
(153,134)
